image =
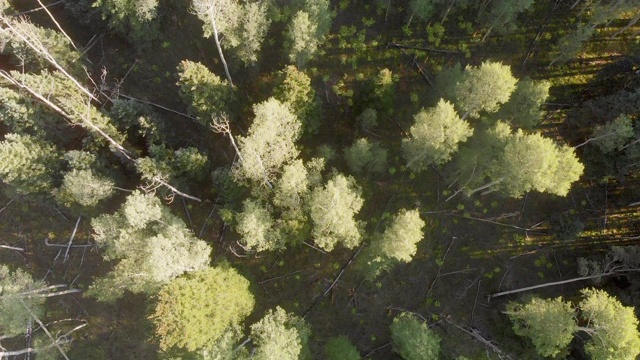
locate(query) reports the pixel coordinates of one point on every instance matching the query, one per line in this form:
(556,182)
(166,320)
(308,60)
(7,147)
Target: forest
(319,179)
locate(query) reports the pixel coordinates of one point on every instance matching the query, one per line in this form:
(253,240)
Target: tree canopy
(190,311)
(151,247)
(435,136)
(280,335)
(484,88)
(332,210)
(412,339)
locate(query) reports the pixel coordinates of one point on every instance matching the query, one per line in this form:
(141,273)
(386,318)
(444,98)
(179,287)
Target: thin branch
(376,349)
(285,275)
(476,335)
(38,9)
(47,243)
(66,253)
(11,247)
(54,341)
(58,25)
(7,205)
(440,268)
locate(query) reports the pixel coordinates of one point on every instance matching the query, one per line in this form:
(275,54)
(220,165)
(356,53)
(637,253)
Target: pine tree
(205,93)
(193,311)
(151,247)
(280,336)
(413,340)
(28,163)
(332,210)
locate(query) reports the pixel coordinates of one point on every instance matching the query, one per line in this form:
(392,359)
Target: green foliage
(134,18)
(435,136)
(549,324)
(332,209)
(398,243)
(192,311)
(180,167)
(14,317)
(280,336)
(565,227)
(571,44)
(255,226)
(515,163)
(365,156)
(27,163)
(250,30)
(446,81)
(206,94)
(84,187)
(340,348)
(292,186)
(54,42)
(422,9)
(614,135)
(368,119)
(413,340)
(484,88)
(400,238)
(301,38)
(294,89)
(503,14)
(270,142)
(384,91)
(151,245)
(523,110)
(614,327)
(307,30)
(225,13)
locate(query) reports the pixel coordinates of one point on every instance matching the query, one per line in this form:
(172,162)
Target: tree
(15,287)
(435,136)
(151,245)
(551,324)
(384,91)
(205,93)
(218,17)
(614,135)
(307,29)
(332,210)
(256,228)
(366,157)
(548,323)
(413,340)
(250,31)
(193,311)
(28,163)
(134,18)
(422,9)
(280,336)
(515,163)
(84,187)
(301,38)
(398,243)
(340,348)
(523,110)
(503,14)
(612,326)
(269,144)
(58,45)
(400,238)
(484,88)
(294,89)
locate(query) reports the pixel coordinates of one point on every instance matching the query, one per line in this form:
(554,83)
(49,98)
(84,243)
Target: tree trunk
(217,40)
(493,296)
(485,186)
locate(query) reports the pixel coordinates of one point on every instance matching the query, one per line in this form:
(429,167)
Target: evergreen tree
(250,31)
(413,340)
(15,287)
(523,110)
(549,324)
(256,228)
(280,336)
(484,88)
(503,14)
(364,156)
(332,210)
(151,247)
(134,18)
(205,93)
(84,187)
(435,136)
(195,310)
(307,30)
(612,326)
(340,348)
(28,164)
(269,144)
(294,89)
